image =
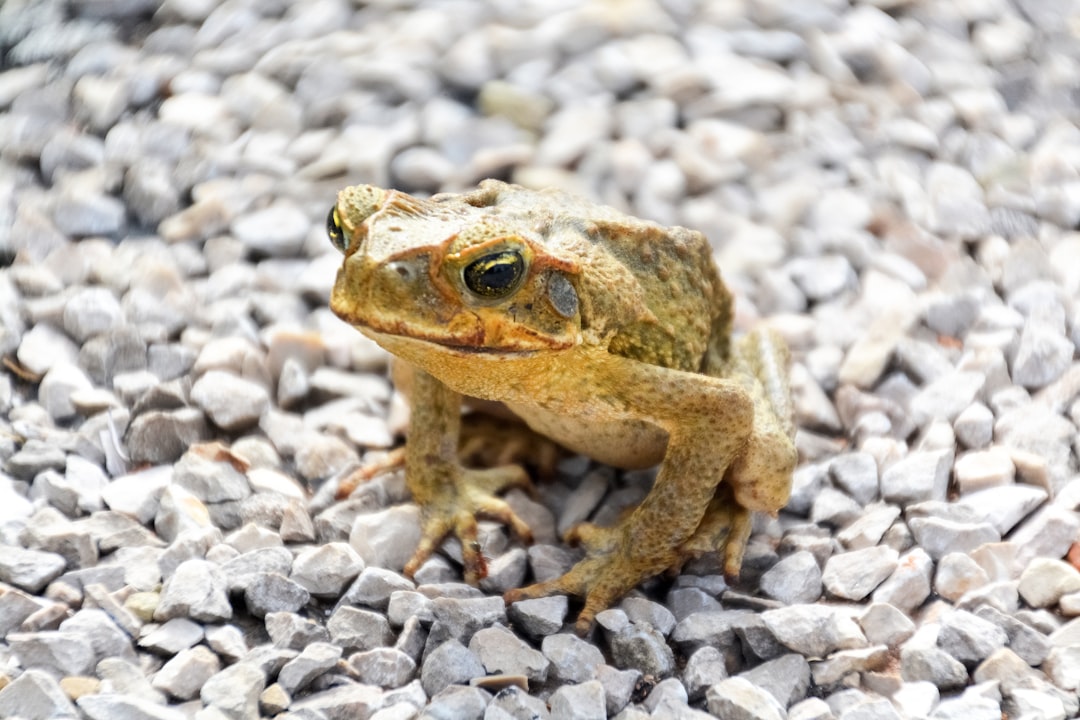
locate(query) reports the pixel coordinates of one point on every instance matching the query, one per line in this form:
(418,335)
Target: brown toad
(605,333)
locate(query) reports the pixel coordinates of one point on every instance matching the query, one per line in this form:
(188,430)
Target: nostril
(402,271)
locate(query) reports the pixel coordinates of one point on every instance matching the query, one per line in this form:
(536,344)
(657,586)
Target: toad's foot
(613,565)
(452,504)
(725,529)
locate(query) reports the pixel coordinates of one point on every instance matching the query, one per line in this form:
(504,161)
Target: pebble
(184,675)
(854,575)
(357,630)
(196,590)
(909,585)
(582,701)
(795,579)
(326,570)
(276,230)
(813,629)
(572,659)
(641,647)
(384,667)
(739,698)
(1045,580)
(983,469)
(30,570)
(449,663)
(957,574)
(501,652)
(232,403)
(968,638)
(315,660)
(786,678)
(922,475)
(885,624)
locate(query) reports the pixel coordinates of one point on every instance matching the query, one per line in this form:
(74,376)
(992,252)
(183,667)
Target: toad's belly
(626,444)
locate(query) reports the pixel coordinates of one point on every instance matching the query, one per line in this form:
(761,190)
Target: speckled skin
(629,362)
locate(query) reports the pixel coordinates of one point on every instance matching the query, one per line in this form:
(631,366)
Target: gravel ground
(895,184)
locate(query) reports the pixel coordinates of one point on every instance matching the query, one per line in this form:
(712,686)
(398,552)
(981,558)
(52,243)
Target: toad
(608,334)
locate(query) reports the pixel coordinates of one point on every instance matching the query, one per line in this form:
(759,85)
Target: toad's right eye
(335,231)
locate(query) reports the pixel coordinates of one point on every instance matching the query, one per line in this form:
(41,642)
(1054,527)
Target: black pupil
(494,275)
(333,228)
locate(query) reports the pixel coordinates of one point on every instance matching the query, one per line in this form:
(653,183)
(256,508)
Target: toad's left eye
(495,275)
(335,231)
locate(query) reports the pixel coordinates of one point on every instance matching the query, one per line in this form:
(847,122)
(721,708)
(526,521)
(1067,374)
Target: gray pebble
(30,570)
(738,699)
(358,630)
(854,575)
(974,426)
(641,647)
(795,579)
(158,437)
(111,705)
(513,702)
(289,630)
(185,673)
(180,512)
(375,586)
(386,538)
(885,624)
(315,660)
(172,636)
(572,659)
(235,690)
(61,653)
(968,638)
(384,667)
(939,536)
(341,703)
(501,652)
(326,570)
(856,473)
(813,629)
(57,388)
(957,573)
(1042,355)
(704,668)
(273,592)
(210,480)
(909,585)
(37,690)
(869,529)
(33,457)
(81,212)
(197,590)
(583,701)
(922,475)
(460,618)
(539,617)
(933,665)
(786,678)
(276,230)
(1028,643)
(232,403)
(43,346)
(447,664)
(91,311)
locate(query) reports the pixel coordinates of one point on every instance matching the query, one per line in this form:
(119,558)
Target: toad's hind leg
(760,479)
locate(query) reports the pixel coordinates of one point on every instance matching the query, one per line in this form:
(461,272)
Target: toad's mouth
(404,339)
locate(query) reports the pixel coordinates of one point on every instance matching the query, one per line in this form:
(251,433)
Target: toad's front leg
(708,421)
(451,497)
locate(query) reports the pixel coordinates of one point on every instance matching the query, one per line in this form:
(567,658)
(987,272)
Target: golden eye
(335,231)
(495,275)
